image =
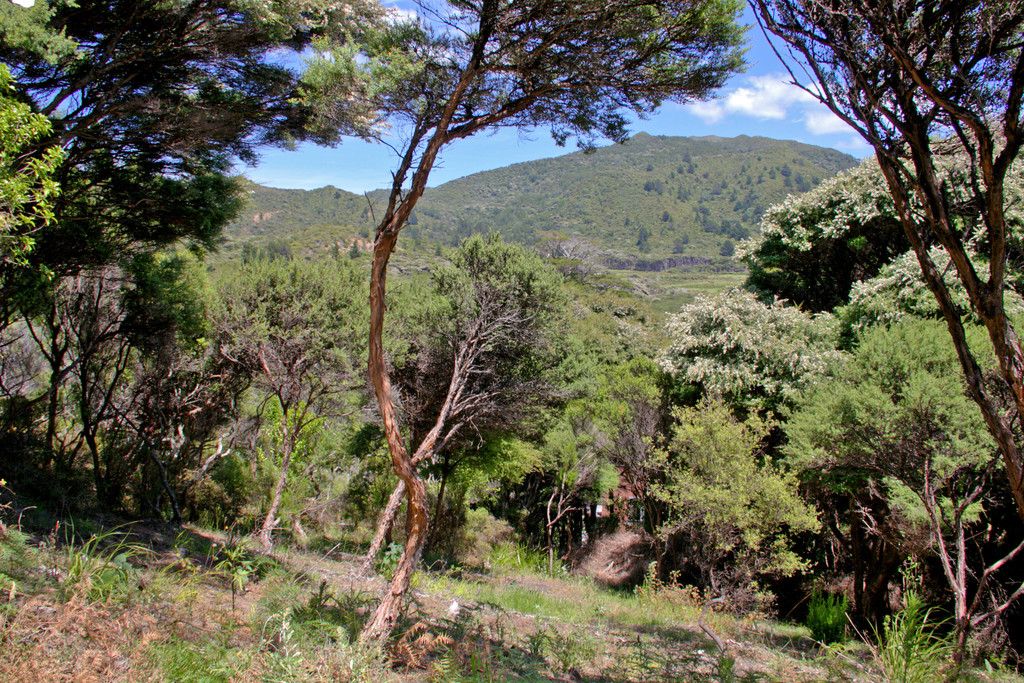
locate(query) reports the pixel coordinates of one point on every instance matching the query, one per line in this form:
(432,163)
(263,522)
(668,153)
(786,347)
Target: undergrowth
(113,609)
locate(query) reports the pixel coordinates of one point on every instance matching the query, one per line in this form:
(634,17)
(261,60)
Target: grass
(297,618)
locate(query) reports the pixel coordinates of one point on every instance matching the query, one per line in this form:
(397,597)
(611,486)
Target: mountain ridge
(647,200)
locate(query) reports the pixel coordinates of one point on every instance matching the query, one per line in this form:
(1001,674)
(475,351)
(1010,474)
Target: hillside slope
(651,198)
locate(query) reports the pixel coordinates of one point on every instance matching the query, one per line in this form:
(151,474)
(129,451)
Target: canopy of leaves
(150,102)
(727,500)
(899,290)
(578,66)
(485,341)
(756,356)
(813,247)
(896,414)
(27,185)
(297,326)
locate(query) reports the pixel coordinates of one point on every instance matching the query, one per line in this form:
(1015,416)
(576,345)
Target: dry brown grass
(76,641)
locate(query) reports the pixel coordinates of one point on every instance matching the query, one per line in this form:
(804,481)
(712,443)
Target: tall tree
(579,67)
(936,89)
(149,102)
(294,327)
(485,345)
(895,426)
(813,247)
(757,357)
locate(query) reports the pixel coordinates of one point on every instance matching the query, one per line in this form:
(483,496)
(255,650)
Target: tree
(575,66)
(730,509)
(899,291)
(101,334)
(936,90)
(813,247)
(27,186)
(148,103)
(755,356)
(634,417)
(484,345)
(293,326)
(576,469)
(896,424)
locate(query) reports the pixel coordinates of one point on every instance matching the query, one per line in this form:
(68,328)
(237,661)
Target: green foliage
(19,562)
(480,537)
(897,412)
(516,556)
(98,570)
(589,195)
(734,510)
(219,500)
(487,344)
(756,356)
(826,617)
(814,247)
(27,184)
(899,291)
(237,565)
(909,649)
(387,562)
(164,97)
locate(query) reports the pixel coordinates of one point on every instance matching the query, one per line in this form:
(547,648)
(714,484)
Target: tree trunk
(986,302)
(271,520)
(382,622)
(384,525)
(440,498)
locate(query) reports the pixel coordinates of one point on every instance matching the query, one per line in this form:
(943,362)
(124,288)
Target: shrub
(908,648)
(826,617)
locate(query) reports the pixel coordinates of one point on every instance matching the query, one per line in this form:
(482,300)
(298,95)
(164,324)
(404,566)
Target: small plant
(726,670)
(388,561)
(280,635)
(908,648)
(238,566)
(826,617)
(515,556)
(99,574)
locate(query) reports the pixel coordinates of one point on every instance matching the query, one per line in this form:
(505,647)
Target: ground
(200,607)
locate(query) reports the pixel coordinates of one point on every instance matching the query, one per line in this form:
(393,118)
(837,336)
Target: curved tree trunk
(271,520)
(383,620)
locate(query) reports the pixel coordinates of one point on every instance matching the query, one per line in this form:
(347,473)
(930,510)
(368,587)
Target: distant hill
(651,200)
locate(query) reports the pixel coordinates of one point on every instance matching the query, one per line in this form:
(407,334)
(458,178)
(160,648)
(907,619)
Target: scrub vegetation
(682,427)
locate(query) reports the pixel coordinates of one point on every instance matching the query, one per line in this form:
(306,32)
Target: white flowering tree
(756,356)
(924,83)
(899,291)
(814,246)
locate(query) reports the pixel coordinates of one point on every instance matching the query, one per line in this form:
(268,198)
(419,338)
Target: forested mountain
(649,199)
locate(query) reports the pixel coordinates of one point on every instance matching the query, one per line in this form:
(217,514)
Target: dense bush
(826,617)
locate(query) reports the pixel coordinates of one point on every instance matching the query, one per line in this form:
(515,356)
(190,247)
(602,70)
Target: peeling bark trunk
(383,620)
(270,521)
(986,301)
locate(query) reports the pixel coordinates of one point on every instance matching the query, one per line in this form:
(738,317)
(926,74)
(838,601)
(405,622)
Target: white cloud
(24,3)
(765,97)
(855,144)
(772,97)
(769,97)
(824,122)
(710,112)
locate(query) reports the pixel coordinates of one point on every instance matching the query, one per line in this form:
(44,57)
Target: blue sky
(760,101)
